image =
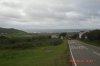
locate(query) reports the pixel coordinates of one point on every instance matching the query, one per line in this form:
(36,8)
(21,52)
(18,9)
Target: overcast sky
(50,14)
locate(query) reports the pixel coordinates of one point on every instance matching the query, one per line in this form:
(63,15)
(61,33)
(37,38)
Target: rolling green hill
(10,31)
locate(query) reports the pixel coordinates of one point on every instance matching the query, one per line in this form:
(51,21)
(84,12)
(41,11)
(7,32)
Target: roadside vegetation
(51,55)
(93,42)
(93,37)
(27,42)
(18,48)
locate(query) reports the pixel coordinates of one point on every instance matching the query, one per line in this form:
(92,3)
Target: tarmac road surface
(84,54)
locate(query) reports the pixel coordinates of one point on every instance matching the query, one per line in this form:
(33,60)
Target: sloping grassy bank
(92,42)
(40,56)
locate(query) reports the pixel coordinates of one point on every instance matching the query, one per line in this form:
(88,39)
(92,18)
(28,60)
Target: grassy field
(40,56)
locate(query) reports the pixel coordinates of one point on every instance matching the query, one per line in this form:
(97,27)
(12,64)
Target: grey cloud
(55,14)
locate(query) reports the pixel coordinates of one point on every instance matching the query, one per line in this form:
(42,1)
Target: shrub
(94,35)
(27,42)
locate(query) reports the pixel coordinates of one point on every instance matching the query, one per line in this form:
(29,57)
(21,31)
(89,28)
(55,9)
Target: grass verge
(40,56)
(92,42)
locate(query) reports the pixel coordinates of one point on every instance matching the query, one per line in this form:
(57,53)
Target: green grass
(92,42)
(40,56)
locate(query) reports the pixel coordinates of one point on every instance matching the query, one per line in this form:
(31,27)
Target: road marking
(88,44)
(96,53)
(72,55)
(78,47)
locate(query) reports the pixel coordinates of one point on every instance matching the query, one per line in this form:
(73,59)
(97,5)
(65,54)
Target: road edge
(75,64)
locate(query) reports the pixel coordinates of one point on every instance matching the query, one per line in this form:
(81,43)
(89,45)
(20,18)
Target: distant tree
(63,35)
(94,35)
(74,36)
(4,39)
(85,35)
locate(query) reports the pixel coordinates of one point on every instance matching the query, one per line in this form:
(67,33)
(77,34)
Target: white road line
(72,55)
(96,53)
(88,44)
(78,47)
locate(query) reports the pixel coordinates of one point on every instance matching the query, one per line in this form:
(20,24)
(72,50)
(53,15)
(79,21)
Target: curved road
(84,54)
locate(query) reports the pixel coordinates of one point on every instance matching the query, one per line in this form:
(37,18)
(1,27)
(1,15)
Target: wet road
(84,54)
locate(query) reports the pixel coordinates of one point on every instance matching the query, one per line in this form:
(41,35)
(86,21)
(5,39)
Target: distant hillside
(56,30)
(10,30)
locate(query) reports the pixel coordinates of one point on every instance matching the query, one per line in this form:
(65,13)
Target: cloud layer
(50,14)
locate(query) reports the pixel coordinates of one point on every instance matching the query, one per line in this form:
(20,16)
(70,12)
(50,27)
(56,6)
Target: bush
(27,42)
(4,40)
(94,35)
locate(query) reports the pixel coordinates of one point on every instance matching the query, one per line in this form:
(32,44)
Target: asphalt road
(84,54)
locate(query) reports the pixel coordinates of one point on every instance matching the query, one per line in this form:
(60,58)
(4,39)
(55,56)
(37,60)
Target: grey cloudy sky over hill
(50,14)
